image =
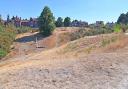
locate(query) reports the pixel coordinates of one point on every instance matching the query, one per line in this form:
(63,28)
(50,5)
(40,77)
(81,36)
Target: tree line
(47,22)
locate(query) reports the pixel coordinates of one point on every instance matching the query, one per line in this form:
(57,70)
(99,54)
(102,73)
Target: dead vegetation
(87,44)
(117,43)
(80,64)
(71,41)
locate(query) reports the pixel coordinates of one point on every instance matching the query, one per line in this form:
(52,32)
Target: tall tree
(13,18)
(59,22)
(1,23)
(67,21)
(8,18)
(46,22)
(0,18)
(123,19)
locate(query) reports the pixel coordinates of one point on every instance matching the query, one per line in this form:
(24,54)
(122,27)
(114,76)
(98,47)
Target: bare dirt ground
(25,43)
(95,71)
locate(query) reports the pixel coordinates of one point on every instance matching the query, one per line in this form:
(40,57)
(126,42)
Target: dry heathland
(94,62)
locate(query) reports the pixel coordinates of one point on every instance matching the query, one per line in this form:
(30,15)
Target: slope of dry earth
(44,71)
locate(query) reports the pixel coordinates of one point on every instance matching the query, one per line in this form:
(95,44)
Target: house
(17,21)
(99,23)
(110,25)
(33,22)
(77,23)
(24,23)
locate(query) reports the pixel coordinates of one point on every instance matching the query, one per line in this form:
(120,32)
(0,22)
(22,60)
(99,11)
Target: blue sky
(87,10)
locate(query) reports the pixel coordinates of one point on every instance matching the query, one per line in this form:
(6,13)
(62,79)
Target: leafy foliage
(59,22)
(46,22)
(67,21)
(123,19)
(23,29)
(7,36)
(90,32)
(117,28)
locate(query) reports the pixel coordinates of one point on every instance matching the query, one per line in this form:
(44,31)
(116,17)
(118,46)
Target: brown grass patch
(120,43)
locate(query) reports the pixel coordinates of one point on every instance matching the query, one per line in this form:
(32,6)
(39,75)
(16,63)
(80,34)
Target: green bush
(82,32)
(23,29)
(117,28)
(2,53)
(7,36)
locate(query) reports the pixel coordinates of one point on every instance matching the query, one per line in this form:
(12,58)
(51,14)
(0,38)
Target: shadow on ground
(30,38)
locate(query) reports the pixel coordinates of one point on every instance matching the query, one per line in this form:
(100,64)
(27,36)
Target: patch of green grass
(117,28)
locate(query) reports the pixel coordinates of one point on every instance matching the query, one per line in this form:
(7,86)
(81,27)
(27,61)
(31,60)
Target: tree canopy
(59,22)
(123,19)
(67,21)
(46,22)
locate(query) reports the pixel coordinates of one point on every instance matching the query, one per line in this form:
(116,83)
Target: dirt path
(25,45)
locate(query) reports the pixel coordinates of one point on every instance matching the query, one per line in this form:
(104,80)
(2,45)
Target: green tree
(59,22)
(0,18)
(8,18)
(46,22)
(67,21)
(1,23)
(123,19)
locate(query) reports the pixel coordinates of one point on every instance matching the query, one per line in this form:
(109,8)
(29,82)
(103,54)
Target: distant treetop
(123,19)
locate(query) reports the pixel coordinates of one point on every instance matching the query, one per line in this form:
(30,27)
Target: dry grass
(120,43)
(44,69)
(91,44)
(85,45)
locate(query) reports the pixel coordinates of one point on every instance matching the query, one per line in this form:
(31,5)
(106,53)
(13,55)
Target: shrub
(82,32)
(117,28)
(7,36)
(23,29)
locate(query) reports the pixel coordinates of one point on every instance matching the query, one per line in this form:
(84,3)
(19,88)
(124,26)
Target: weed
(88,50)
(105,42)
(69,48)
